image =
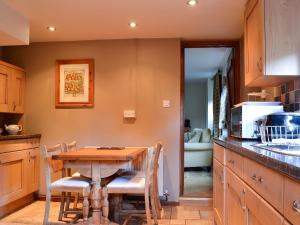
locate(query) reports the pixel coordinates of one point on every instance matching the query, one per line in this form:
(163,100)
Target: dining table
(98,163)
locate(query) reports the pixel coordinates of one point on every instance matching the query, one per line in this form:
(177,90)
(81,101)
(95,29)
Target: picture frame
(74,83)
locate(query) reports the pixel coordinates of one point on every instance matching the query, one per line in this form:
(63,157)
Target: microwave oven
(245,117)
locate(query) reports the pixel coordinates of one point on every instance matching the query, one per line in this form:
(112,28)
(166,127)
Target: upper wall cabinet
(12,88)
(272,42)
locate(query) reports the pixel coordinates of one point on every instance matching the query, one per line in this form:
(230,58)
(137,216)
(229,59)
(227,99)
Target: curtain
(216,102)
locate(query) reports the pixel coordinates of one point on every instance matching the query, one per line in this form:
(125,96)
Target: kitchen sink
(283,149)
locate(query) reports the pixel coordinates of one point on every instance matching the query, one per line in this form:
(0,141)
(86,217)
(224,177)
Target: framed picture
(74,84)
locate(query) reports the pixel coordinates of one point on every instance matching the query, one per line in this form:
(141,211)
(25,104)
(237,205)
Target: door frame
(235,45)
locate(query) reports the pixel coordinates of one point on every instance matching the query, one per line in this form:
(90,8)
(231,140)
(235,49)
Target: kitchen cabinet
(19,169)
(12,88)
(235,200)
(218,187)
(13,168)
(259,212)
(272,42)
(254,194)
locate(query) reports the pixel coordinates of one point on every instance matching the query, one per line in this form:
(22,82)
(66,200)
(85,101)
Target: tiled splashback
(289,94)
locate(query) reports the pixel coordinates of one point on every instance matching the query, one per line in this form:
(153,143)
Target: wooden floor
(179,215)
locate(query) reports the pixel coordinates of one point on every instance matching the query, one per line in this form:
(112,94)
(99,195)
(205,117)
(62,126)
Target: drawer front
(219,153)
(292,201)
(265,182)
(18,144)
(259,211)
(235,162)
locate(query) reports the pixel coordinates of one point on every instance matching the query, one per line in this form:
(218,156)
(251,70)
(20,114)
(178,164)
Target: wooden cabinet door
(13,183)
(218,192)
(33,170)
(254,39)
(18,91)
(258,211)
(235,200)
(5,80)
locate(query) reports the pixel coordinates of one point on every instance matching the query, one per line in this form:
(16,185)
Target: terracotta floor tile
(177,222)
(198,222)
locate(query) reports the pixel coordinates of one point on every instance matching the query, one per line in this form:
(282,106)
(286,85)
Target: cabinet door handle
(261,180)
(242,200)
(254,177)
(296,206)
(259,64)
(231,161)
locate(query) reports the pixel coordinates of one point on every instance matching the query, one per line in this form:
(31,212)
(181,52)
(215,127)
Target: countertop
(285,164)
(19,136)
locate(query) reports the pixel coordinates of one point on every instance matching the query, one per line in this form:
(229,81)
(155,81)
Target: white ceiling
(203,63)
(100,19)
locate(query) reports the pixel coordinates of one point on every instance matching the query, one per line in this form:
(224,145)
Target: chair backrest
(152,163)
(52,166)
(71,147)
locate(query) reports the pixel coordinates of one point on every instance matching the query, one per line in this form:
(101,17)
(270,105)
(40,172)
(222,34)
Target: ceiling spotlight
(51,28)
(132,24)
(192,2)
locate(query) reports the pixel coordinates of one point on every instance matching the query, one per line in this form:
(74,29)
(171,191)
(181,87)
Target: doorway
(201,63)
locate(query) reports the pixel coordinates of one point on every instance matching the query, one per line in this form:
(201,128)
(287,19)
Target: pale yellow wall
(129,74)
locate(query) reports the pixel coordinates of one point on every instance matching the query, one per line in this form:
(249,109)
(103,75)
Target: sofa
(198,148)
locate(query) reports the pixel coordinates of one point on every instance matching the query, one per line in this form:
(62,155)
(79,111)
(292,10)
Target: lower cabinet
(19,174)
(259,212)
(235,200)
(13,185)
(218,192)
(239,201)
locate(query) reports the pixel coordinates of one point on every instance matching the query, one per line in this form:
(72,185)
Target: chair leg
(157,202)
(85,208)
(153,206)
(105,206)
(62,206)
(147,207)
(76,200)
(68,200)
(47,207)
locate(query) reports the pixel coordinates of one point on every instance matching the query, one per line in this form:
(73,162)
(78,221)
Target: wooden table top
(94,154)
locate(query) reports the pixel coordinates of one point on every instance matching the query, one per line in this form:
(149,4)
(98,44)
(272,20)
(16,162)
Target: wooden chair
(140,183)
(71,147)
(65,184)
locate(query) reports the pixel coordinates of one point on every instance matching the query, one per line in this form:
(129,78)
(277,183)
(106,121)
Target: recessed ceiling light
(51,28)
(192,2)
(132,24)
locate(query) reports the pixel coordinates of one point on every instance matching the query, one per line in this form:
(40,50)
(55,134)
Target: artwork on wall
(74,86)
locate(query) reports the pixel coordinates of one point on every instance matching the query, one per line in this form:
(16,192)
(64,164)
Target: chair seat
(71,184)
(127,185)
(76,174)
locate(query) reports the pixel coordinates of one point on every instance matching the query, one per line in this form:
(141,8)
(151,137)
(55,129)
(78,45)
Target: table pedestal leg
(96,203)
(105,206)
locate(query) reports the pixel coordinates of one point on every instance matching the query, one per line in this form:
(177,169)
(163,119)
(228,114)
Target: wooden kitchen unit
(270,57)
(12,88)
(19,171)
(253,193)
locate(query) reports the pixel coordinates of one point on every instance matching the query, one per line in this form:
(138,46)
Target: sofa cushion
(198,146)
(206,136)
(196,136)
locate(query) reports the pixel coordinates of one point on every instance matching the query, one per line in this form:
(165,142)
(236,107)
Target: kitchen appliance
(246,117)
(13,129)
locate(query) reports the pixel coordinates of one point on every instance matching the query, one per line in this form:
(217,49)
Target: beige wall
(195,103)
(129,74)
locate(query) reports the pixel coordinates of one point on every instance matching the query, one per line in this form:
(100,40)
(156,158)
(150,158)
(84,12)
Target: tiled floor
(176,215)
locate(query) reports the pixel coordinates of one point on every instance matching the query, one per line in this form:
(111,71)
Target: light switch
(166,103)
(129,113)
